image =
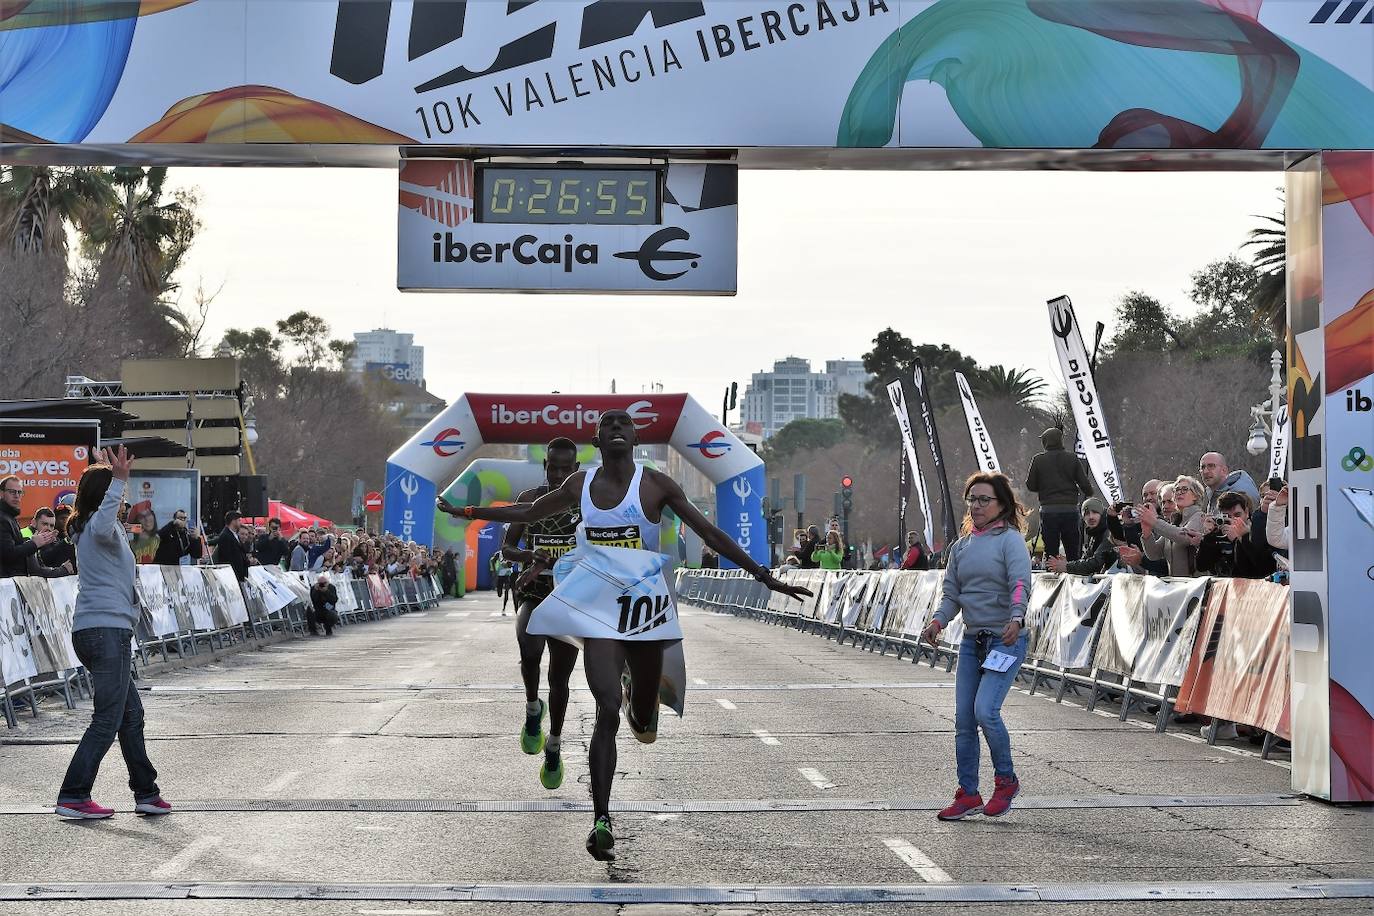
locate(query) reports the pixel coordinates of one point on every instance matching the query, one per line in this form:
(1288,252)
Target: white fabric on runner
(609,593)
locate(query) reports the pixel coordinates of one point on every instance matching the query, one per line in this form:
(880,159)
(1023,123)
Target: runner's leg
(532,653)
(562,658)
(603,660)
(646,670)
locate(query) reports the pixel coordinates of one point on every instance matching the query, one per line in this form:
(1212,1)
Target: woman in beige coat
(1175,540)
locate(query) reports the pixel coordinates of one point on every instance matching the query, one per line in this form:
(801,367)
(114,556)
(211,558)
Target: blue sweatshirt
(105,565)
(988,578)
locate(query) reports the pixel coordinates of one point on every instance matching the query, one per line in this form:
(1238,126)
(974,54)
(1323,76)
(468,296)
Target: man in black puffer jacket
(1057,477)
(1099,553)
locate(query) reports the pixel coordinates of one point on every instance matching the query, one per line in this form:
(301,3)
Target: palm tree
(37,203)
(1019,385)
(1269,241)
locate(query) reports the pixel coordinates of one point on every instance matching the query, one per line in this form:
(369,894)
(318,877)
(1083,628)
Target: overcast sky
(826,260)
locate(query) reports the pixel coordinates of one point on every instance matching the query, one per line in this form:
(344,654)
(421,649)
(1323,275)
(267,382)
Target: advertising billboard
(156,497)
(48,457)
(395,372)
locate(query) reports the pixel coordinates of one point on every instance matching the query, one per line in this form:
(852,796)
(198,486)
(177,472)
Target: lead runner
(635,498)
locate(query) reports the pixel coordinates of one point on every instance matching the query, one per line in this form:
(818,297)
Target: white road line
(398,913)
(725,704)
(766,738)
(815,777)
(495,614)
(699,682)
(282,781)
(375,829)
(341,737)
(421,614)
(459,614)
(918,861)
(184,859)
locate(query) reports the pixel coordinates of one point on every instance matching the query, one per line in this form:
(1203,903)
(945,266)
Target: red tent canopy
(292,519)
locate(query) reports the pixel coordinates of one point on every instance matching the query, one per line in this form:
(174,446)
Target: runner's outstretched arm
(564,498)
(719,541)
(510,547)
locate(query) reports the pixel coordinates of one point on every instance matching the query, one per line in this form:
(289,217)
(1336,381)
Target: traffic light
(847,494)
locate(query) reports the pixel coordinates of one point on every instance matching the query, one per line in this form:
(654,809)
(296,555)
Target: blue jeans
(104,652)
(978,696)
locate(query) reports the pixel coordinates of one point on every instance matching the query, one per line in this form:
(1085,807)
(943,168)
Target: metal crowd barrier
(1078,626)
(185,611)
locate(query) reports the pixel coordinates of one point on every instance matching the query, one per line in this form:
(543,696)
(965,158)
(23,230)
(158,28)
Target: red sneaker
(964,805)
(1008,787)
(153,806)
(86,810)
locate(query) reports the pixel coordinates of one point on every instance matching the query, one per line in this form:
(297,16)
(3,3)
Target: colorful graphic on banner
(897,395)
(951,527)
(978,434)
(48,459)
(17,660)
(1278,448)
(1178,74)
(156,498)
(1087,415)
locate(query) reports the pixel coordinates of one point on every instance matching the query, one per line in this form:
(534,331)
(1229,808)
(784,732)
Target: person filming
(987,579)
(102,629)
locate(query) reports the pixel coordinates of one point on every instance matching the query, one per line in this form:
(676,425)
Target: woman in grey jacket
(102,628)
(1175,540)
(988,580)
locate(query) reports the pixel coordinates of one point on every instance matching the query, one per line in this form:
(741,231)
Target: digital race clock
(569,195)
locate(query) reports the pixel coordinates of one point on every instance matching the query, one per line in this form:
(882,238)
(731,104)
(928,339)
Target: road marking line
(188,855)
(341,737)
(815,777)
(666,817)
(725,704)
(421,614)
(699,682)
(376,829)
(495,614)
(459,614)
(918,861)
(282,781)
(766,738)
(398,913)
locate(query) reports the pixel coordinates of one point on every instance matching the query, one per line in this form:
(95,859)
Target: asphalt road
(381,769)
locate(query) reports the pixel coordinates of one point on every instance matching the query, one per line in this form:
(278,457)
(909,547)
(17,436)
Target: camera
(1129,513)
(1276,484)
(1220,520)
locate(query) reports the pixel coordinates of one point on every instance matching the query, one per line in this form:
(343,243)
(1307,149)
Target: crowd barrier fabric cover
(1012,74)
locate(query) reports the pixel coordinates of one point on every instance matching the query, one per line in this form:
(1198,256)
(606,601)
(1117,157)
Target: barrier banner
(882,594)
(978,434)
(348,601)
(1121,633)
(50,626)
(1074,622)
(1087,417)
(381,595)
(951,532)
(159,619)
(854,599)
(272,592)
(17,660)
(226,598)
(1172,611)
(1239,665)
(832,597)
(897,395)
(295,582)
(189,599)
(1040,612)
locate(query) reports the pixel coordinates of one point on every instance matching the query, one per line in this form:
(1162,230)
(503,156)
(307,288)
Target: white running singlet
(622,526)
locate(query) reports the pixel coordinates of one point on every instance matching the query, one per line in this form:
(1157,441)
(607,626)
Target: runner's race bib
(555,545)
(625,536)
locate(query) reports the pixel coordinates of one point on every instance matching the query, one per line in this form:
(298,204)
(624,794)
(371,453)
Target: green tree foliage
(894,356)
(802,435)
(1269,253)
(1020,386)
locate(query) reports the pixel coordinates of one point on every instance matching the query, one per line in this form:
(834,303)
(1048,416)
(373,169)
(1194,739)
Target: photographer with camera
(1227,548)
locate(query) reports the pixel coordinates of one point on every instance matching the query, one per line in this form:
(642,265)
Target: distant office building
(390,354)
(793,392)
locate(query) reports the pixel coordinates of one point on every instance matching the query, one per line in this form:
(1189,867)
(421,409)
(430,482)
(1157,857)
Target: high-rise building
(793,392)
(391,354)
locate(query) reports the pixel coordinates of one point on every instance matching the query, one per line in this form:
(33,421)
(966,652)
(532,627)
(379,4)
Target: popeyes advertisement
(48,458)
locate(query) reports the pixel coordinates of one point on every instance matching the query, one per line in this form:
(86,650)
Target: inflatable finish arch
(436,454)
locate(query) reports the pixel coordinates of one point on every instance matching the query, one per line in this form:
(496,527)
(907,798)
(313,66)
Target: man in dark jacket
(1234,550)
(915,557)
(16,551)
(272,548)
(1098,551)
(808,547)
(228,549)
(1057,477)
(324,602)
(176,540)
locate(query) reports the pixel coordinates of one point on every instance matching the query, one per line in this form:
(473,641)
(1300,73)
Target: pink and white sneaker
(153,806)
(86,810)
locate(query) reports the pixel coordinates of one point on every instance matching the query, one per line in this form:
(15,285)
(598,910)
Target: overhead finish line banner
(296,77)
(417,470)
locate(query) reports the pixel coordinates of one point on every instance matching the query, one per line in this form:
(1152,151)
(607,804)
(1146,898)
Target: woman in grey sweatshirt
(988,580)
(102,631)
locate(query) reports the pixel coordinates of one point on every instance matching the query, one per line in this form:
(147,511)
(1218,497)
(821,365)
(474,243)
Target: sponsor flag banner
(1074,622)
(1238,670)
(1087,409)
(897,394)
(983,451)
(17,657)
(951,532)
(49,626)
(903,498)
(1278,447)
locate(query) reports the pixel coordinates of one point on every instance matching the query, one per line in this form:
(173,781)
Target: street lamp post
(1262,415)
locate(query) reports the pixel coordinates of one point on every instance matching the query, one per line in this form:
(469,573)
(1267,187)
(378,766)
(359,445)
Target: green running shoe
(551,773)
(600,840)
(532,735)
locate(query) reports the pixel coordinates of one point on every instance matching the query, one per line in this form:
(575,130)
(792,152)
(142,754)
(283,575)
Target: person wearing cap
(1059,481)
(1098,550)
(324,599)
